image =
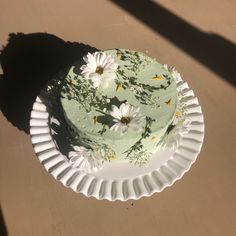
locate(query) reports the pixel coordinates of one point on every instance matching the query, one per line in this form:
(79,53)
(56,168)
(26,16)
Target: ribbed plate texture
(120,180)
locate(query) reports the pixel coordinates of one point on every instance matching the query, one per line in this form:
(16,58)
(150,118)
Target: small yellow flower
(119,87)
(177,113)
(157,77)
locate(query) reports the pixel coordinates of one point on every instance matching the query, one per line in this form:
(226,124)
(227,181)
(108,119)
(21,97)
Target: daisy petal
(116,113)
(72,154)
(85,58)
(79,149)
(83,67)
(102,59)
(124,109)
(76,161)
(96,78)
(115,127)
(123,128)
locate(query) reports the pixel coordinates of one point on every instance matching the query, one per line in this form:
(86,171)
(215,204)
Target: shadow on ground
(29,61)
(212,50)
(3,229)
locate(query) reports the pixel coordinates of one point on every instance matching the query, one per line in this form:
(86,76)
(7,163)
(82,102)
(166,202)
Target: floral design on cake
(99,68)
(179,126)
(174,134)
(112,115)
(84,159)
(125,117)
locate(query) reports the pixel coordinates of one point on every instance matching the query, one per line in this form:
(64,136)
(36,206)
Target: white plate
(119,180)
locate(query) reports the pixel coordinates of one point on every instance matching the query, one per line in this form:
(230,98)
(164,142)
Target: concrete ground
(198,37)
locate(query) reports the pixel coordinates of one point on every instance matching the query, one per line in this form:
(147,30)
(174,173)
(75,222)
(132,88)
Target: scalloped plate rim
(117,197)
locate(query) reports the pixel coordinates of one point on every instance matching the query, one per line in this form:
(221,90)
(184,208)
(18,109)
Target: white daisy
(176,75)
(172,138)
(125,117)
(100,68)
(83,159)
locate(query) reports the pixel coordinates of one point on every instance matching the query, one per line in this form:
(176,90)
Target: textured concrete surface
(187,34)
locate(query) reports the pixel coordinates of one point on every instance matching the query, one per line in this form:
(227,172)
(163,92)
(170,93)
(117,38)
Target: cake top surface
(117,93)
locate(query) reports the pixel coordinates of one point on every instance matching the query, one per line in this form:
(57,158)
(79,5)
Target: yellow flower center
(99,70)
(125,120)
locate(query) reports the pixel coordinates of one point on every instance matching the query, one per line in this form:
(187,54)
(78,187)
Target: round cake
(119,104)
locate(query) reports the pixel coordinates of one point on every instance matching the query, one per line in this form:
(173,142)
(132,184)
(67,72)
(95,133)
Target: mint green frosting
(153,90)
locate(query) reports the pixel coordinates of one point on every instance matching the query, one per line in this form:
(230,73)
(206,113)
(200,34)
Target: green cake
(119,104)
